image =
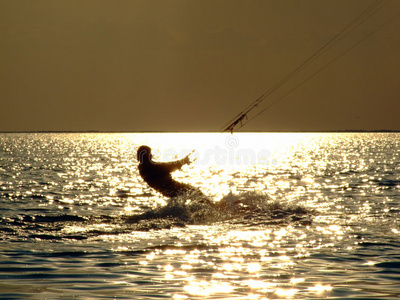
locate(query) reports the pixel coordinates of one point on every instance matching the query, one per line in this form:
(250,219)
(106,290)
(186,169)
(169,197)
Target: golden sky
(128,65)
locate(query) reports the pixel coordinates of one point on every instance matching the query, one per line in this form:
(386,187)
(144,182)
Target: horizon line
(166,131)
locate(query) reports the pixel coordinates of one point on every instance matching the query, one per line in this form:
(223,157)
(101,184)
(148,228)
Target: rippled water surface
(305,216)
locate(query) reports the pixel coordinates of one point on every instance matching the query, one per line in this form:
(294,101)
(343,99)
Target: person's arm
(176,165)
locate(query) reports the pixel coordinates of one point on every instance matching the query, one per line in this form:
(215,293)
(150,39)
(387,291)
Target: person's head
(144,154)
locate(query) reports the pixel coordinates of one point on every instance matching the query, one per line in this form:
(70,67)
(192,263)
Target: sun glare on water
(295,216)
(223,164)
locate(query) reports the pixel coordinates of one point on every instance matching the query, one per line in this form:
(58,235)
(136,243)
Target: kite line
(242,118)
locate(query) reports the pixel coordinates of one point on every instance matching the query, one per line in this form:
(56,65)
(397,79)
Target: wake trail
(248,208)
(244,209)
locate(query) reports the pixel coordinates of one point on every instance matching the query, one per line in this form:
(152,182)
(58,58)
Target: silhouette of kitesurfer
(158,174)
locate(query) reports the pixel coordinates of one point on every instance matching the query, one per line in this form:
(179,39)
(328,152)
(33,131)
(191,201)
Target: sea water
(303,216)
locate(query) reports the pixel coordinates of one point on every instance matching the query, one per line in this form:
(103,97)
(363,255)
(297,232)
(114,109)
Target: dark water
(305,216)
